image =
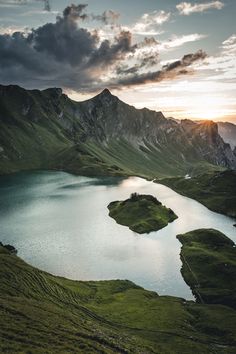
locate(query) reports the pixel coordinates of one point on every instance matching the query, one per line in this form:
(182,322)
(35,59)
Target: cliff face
(228,133)
(37,126)
(206,138)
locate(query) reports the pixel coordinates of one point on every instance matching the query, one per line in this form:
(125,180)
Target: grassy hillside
(209,266)
(216,190)
(103,135)
(41,313)
(141,213)
(31,132)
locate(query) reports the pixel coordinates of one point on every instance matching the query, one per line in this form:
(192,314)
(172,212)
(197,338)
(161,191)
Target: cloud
(221,67)
(148,51)
(107,17)
(9,3)
(149,23)
(229,45)
(12,29)
(187,8)
(167,72)
(61,53)
(67,54)
(177,41)
(47,6)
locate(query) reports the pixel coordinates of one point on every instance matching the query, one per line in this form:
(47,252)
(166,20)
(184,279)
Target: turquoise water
(59,223)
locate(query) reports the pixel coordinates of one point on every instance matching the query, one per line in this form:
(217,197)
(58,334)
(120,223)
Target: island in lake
(142,213)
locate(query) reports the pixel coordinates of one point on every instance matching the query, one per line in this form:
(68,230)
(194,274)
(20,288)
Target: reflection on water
(60,223)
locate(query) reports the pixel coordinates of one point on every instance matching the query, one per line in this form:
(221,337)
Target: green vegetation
(29,139)
(42,313)
(101,136)
(215,190)
(209,266)
(146,160)
(141,213)
(104,136)
(79,160)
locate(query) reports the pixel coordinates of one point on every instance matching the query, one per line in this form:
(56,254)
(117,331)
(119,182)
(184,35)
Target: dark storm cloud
(146,59)
(64,40)
(74,12)
(108,53)
(168,72)
(62,52)
(144,62)
(68,55)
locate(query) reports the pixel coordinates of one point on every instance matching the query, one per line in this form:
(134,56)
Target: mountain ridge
(46,129)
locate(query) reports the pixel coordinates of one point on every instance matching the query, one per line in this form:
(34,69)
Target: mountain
(228,132)
(103,135)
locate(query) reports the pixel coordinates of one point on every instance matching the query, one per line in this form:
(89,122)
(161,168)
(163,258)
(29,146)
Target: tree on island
(134,196)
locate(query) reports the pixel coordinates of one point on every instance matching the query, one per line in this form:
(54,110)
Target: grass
(42,313)
(209,266)
(45,129)
(141,213)
(216,190)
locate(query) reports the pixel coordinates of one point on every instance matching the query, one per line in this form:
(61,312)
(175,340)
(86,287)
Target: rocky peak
(106,96)
(106,92)
(54,92)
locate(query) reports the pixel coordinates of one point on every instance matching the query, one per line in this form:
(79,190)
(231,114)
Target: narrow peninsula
(209,266)
(216,190)
(141,213)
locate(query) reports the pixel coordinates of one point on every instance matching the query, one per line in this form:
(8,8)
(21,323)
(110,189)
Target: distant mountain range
(103,135)
(228,132)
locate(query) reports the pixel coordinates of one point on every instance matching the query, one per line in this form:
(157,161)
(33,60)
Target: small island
(141,213)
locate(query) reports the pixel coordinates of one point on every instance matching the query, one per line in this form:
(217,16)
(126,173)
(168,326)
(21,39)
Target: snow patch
(187,177)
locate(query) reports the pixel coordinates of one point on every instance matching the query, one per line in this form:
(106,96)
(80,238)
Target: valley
(67,152)
(104,136)
(117,177)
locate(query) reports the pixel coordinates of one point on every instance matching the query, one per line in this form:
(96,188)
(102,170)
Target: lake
(59,223)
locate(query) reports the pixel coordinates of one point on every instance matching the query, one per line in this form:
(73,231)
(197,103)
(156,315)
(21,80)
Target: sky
(174,56)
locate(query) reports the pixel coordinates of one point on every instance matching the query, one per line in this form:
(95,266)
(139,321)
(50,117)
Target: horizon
(133,105)
(170,56)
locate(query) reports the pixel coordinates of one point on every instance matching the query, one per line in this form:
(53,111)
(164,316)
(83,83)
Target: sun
(208,113)
(207,107)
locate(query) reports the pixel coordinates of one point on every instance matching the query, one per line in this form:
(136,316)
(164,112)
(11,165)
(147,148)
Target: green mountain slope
(41,313)
(45,129)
